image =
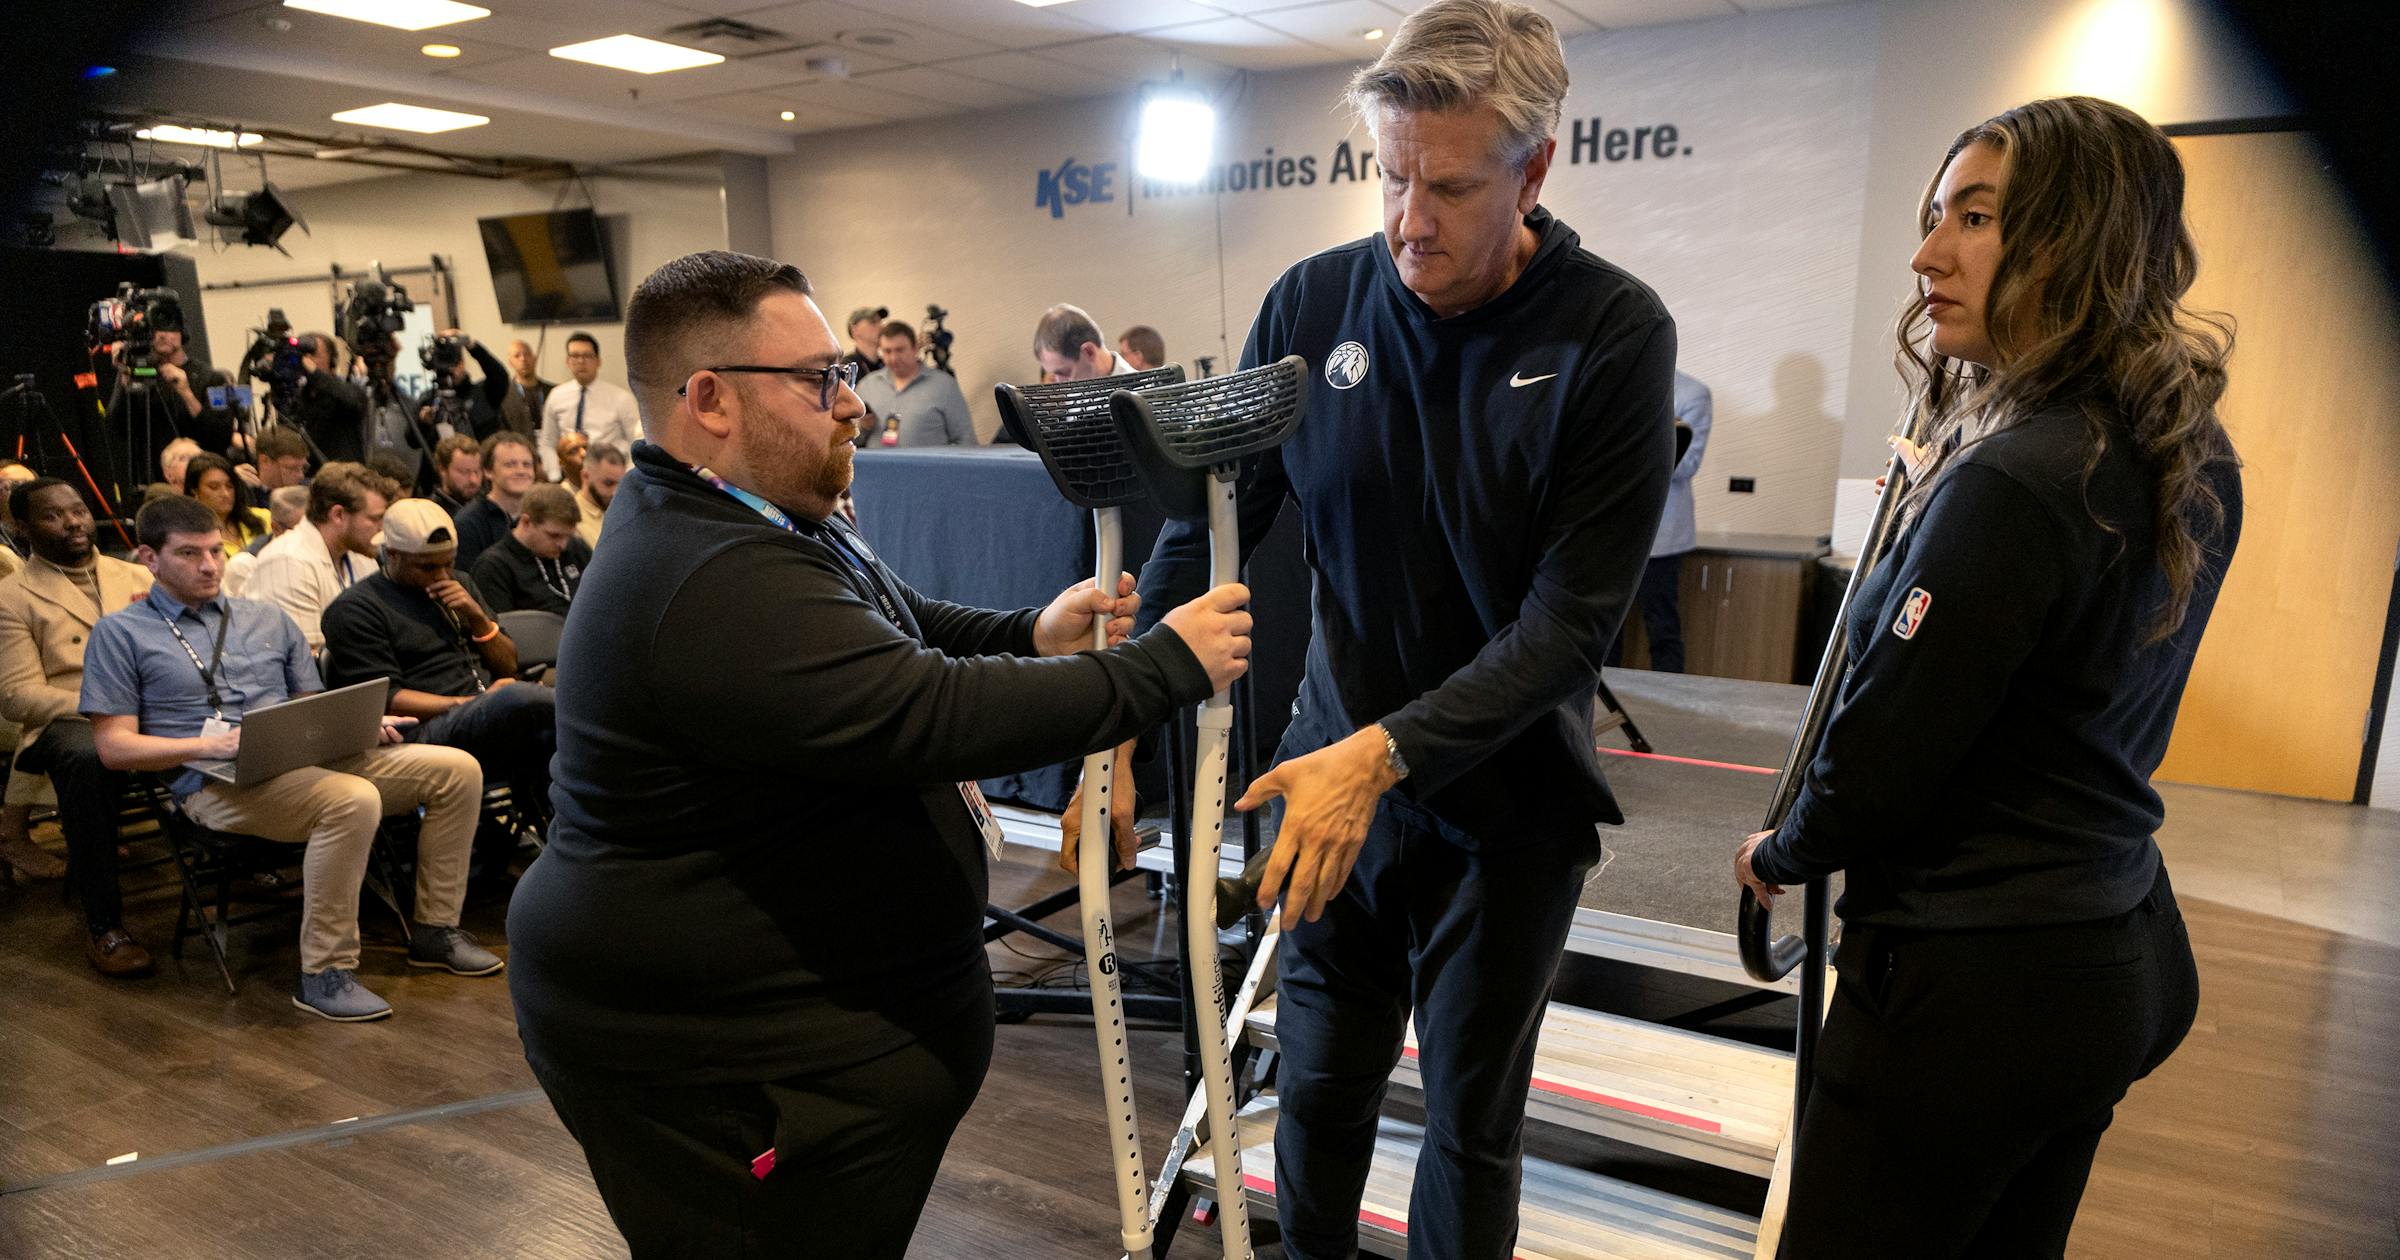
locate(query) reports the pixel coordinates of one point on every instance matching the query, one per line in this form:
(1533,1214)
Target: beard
(793,472)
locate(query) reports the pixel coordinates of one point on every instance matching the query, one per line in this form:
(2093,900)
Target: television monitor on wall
(550,267)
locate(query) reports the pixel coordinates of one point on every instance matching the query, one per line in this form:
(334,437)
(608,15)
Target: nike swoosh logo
(1520,380)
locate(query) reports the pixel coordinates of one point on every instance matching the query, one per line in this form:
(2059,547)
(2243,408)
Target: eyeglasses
(830,380)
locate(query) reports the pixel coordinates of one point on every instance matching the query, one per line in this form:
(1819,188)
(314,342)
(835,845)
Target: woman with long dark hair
(209,478)
(2012,957)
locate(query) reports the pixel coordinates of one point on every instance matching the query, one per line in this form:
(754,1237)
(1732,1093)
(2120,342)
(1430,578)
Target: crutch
(1765,962)
(1068,424)
(1188,442)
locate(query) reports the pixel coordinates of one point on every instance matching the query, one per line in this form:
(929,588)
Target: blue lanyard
(826,533)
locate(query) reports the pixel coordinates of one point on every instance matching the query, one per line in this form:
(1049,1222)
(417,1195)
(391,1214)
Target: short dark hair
(206,462)
(173,514)
(506,437)
(548,504)
(281,443)
(1066,330)
(20,496)
(605,453)
(1144,340)
(897,328)
(696,298)
(585,338)
(449,448)
(399,469)
(346,486)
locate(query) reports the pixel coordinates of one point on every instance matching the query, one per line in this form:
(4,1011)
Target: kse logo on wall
(1075,183)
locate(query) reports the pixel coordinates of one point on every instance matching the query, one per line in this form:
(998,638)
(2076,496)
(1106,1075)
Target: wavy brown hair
(2086,310)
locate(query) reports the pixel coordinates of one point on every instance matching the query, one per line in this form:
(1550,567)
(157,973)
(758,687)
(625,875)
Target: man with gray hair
(1068,345)
(1489,437)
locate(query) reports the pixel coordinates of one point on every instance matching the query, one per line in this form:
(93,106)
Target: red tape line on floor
(1688,761)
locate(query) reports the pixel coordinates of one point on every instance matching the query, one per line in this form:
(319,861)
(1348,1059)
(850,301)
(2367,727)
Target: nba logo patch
(1912,612)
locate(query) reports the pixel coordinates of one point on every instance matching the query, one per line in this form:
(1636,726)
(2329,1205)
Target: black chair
(536,632)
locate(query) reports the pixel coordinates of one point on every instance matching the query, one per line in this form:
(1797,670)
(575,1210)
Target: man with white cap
(430,631)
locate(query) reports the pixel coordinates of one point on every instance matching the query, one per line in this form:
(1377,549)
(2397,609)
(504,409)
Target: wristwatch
(1392,759)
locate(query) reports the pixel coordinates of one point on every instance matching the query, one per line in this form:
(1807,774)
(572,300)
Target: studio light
(1178,134)
(260,217)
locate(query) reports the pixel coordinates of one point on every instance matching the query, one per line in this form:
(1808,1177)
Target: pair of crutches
(1107,443)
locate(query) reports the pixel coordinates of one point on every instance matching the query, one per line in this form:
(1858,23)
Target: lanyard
(543,569)
(828,533)
(216,657)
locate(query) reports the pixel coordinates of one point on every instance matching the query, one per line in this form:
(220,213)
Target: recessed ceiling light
(1371,33)
(169,133)
(393,116)
(406,15)
(444,51)
(635,53)
(788,115)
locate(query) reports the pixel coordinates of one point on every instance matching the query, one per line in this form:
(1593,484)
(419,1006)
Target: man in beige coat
(46,617)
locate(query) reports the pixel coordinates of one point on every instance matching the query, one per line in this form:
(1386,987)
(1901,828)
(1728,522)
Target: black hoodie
(1477,497)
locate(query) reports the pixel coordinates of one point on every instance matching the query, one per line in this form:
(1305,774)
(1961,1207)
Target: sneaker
(336,994)
(450,949)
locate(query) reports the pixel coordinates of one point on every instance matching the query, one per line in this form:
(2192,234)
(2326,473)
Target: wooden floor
(2275,1132)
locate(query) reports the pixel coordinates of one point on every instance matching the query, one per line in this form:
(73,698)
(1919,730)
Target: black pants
(856,1151)
(87,812)
(1965,1079)
(1660,599)
(1471,942)
(513,732)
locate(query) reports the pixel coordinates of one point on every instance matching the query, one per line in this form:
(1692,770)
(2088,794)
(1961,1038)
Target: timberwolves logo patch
(1347,366)
(1912,612)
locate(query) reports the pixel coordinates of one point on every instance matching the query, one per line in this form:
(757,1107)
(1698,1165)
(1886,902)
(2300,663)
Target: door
(2280,694)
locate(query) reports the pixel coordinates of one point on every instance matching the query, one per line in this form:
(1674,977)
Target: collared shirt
(134,667)
(931,409)
(299,574)
(609,415)
(1694,407)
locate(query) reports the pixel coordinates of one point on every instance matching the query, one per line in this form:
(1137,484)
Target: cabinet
(1743,600)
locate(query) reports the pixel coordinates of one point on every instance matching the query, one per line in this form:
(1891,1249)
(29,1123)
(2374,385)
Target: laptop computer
(309,731)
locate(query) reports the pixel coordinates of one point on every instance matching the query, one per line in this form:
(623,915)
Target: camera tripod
(26,430)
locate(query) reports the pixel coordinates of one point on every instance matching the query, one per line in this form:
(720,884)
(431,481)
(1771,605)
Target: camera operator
(475,410)
(866,327)
(331,410)
(181,388)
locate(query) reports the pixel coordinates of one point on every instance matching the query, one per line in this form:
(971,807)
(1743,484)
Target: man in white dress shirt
(588,405)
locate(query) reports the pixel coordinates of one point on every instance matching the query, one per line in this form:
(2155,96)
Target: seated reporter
(427,628)
(161,693)
(542,560)
(2012,957)
(210,479)
(46,614)
(759,919)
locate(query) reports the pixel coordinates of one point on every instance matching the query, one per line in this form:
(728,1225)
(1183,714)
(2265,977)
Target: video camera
(937,338)
(129,318)
(442,357)
(274,357)
(371,321)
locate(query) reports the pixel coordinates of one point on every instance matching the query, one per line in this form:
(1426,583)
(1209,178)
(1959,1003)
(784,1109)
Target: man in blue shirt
(1660,597)
(166,681)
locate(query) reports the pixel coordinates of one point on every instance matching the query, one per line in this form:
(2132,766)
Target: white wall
(1748,230)
(666,211)
(1945,65)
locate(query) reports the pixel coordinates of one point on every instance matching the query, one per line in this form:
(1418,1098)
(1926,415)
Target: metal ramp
(1699,1097)
(1566,1213)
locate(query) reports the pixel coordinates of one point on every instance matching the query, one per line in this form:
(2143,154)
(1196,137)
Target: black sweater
(761,865)
(1477,497)
(1988,760)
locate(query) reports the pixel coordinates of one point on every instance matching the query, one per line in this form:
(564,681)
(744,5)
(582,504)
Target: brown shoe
(117,955)
(29,860)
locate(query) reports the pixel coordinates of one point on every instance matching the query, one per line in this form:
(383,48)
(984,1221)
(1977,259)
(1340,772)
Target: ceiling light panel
(169,133)
(637,54)
(394,116)
(406,15)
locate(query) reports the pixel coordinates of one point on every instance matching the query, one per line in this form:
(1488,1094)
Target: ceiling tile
(866,100)
(602,85)
(541,25)
(761,109)
(1335,25)
(1139,60)
(1001,23)
(940,83)
(1569,23)
(1127,16)
(1028,73)
(1621,13)
(793,63)
(852,26)
(1754,6)
(1245,44)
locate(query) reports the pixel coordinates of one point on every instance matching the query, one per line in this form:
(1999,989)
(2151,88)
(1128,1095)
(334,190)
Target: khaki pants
(335,810)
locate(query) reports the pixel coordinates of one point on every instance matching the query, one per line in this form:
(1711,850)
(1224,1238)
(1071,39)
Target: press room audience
(282,460)
(571,447)
(458,473)
(585,404)
(509,471)
(210,479)
(603,467)
(542,560)
(152,710)
(1069,346)
(286,507)
(521,411)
